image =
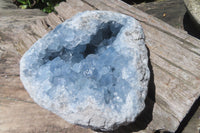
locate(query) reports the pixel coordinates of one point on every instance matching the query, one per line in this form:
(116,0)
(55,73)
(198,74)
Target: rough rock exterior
(193,7)
(91,70)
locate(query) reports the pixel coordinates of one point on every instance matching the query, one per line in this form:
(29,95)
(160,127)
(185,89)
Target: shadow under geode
(145,117)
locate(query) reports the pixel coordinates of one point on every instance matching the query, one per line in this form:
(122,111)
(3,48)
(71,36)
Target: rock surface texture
(92,70)
(193,7)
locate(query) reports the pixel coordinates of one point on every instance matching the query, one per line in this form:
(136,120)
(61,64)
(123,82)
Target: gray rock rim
(193,7)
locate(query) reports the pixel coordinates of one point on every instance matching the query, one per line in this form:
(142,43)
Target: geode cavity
(91,70)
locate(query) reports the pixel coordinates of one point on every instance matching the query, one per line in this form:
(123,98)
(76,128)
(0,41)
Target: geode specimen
(91,70)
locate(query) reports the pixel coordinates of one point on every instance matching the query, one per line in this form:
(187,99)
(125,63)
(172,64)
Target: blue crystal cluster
(92,70)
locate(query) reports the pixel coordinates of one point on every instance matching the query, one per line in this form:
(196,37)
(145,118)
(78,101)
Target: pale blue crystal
(91,70)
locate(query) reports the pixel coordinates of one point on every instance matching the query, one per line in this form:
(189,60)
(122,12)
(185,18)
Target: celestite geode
(91,70)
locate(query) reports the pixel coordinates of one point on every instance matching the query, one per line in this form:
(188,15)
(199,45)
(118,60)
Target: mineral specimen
(92,70)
